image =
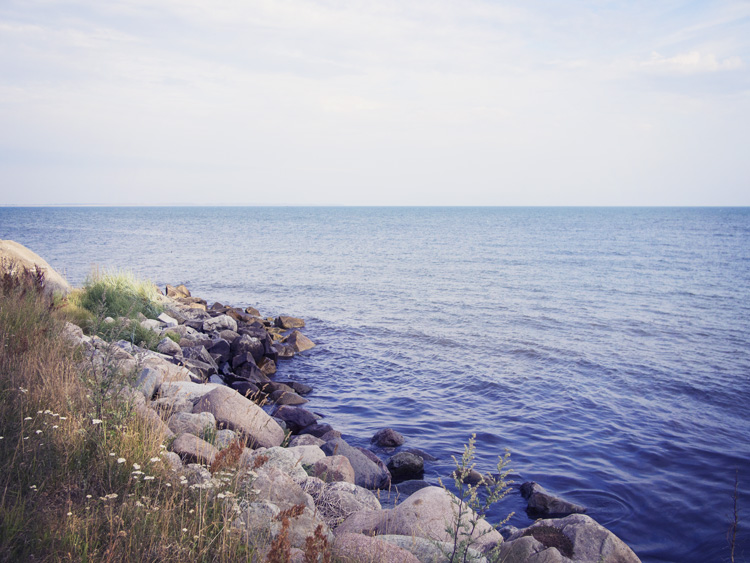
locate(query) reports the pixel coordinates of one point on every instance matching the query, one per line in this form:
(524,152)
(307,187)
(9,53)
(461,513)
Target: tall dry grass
(82,484)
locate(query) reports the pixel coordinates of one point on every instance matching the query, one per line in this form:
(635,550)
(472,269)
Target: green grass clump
(119,294)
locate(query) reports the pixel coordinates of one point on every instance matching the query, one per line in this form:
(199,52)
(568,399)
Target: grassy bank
(81,478)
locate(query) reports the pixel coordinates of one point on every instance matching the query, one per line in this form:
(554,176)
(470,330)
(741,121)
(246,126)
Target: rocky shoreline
(210,390)
(209,394)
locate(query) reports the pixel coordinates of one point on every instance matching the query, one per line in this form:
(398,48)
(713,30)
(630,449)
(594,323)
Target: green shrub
(119,294)
(470,508)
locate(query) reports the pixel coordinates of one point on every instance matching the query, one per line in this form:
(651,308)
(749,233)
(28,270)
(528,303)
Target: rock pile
(209,388)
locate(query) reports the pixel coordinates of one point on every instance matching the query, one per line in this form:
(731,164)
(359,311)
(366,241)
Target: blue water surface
(607,348)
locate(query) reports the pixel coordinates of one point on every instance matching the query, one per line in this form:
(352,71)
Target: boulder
(151,419)
(280,458)
(276,486)
(334,468)
(296,418)
(306,440)
(220,350)
(169,347)
(317,429)
(224,438)
(408,488)
(250,372)
(299,388)
(337,500)
(426,514)
(248,344)
(179,291)
(376,460)
(148,382)
(286,322)
(283,352)
(235,412)
(387,438)
(153,325)
(366,472)
(167,320)
(169,371)
(430,550)
(201,369)
(194,450)
(200,354)
(424,455)
(298,341)
(186,390)
(577,538)
(542,504)
(15,257)
(191,423)
(404,465)
(248,389)
(355,548)
(306,455)
(268,367)
(222,322)
(282,397)
(166,406)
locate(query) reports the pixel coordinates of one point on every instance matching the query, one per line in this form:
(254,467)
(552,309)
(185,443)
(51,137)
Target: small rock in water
(387,438)
(542,504)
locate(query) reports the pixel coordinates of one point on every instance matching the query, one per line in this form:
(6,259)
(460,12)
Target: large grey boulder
(356,548)
(235,412)
(542,504)
(289,462)
(222,322)
(431,550)
(169,347)
(576,538)
(334,468)
(194,450)
(336,501)
(275,485)
(306,455)
(426,514)
(367,473)
(191,423)
(148,382)
(14,257)
(188,390)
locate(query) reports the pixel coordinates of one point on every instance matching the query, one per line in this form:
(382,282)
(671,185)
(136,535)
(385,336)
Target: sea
(608,349)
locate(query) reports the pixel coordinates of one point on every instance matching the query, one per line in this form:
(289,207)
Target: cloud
(693,62)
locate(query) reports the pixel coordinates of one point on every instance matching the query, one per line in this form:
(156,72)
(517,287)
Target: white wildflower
(70,514)
(27,418)
(136,466)
(38,431)
(148,478)
(63,418)
(184,530)
(55,426)
(96,421)
(155,459)
(120,460)
(220,495)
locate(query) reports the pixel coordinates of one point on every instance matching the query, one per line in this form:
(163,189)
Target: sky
(387,102)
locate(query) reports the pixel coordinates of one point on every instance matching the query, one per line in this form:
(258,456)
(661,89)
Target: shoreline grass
(83,483)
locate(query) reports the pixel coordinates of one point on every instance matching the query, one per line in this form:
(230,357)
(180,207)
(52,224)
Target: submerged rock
(543,504)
